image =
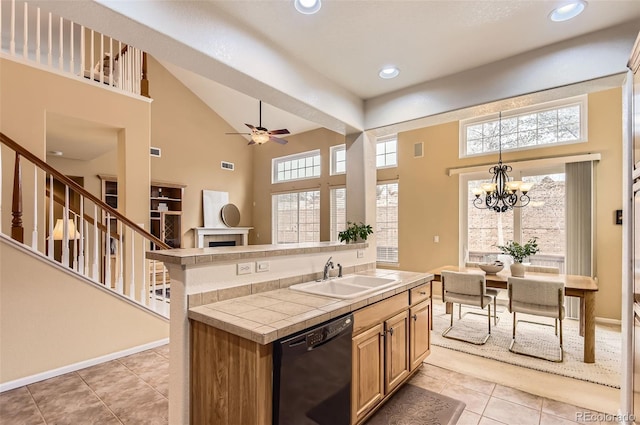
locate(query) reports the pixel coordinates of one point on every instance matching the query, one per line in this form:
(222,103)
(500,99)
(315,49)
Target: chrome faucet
(325,273)
(339,270)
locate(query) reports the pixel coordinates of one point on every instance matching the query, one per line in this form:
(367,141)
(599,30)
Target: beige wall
(193,143)
(429,198)
(50,319)
(263,189)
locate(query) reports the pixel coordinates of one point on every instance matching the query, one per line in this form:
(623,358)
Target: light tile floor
(134,390)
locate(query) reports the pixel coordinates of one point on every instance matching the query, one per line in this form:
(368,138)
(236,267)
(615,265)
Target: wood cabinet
(368,371)
(391,339)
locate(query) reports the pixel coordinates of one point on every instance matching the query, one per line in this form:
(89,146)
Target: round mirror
(230,215)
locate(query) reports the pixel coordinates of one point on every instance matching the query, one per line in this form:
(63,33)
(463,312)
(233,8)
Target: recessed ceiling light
(389,72)
(568,11)
(55,153)
(307,7)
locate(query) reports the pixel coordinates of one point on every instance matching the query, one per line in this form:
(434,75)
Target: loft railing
(80,231)
(63,46)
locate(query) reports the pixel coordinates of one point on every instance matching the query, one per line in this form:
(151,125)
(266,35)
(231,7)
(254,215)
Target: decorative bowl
(491,268)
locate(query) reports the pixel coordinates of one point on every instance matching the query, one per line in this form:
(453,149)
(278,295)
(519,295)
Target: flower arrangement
(355,231)
(520,252)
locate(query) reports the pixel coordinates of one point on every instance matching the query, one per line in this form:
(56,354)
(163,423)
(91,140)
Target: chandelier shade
(502,193)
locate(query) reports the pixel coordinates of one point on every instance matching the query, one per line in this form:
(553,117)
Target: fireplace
(213,244)
(206,235)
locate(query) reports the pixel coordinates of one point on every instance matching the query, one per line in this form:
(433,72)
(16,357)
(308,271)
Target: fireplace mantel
(201,232)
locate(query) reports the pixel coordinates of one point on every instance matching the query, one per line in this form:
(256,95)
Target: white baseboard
(6,386)
(607,321)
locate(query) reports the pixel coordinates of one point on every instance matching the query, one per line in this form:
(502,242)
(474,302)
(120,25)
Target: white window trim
(390,263)
(274,224)
(581,101)
(332,158)
(384,140)
(301,155)
(333,237)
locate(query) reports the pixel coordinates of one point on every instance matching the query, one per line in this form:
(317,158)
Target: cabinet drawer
(420,293)
(378,312)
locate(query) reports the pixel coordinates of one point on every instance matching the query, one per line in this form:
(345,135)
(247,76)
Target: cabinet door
(367,388)
(396,350)
(419,338)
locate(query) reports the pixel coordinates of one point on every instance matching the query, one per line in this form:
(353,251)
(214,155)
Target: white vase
(517,270)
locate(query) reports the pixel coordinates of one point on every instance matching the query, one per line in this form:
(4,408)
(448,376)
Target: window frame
(274,215)
(301,155)
(581,101)
(333,228)
(397,260)
(333,150)
(384,140)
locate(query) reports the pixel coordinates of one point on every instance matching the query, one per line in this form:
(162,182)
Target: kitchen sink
(346,287)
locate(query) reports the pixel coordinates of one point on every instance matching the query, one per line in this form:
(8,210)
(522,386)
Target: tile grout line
(100,398)
(143,380)
(36,403)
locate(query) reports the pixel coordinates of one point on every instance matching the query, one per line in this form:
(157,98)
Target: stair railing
(96,241)
(64,46)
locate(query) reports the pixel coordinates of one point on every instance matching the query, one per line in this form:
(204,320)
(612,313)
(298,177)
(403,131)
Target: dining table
(583,287)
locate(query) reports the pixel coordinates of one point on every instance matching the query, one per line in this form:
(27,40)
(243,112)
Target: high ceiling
(322,69)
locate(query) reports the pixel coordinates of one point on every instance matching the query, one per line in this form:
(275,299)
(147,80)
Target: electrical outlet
(361,253)
(262,266)
(244,268)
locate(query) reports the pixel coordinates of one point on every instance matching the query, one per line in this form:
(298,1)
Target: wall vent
(227,165)
(157,152)
(418,150)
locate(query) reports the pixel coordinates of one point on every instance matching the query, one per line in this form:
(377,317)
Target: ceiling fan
(260,135)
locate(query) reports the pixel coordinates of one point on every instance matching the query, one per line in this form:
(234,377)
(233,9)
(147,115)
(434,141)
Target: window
(557,122)
(386,152)
(543,217)
(296,217)
(305,165)
(338,212)
(387,222)
(338,156)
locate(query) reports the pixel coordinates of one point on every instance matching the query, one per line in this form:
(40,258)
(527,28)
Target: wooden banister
(17,197)
(17,231)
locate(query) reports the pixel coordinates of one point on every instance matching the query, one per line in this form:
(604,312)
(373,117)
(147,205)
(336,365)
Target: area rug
(413,405)
(533,338)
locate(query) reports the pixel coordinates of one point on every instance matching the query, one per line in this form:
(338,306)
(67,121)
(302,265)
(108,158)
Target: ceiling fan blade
(245,134)
(250,126)
(278,140)
(281,131)
(251,143)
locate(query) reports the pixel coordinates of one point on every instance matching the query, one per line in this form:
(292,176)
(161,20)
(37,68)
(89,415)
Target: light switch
(361,253)
(262,266)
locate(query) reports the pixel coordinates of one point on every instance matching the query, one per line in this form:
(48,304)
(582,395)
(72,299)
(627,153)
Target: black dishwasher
(312,375)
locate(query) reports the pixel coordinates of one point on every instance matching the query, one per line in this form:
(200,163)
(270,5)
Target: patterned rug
(413,405)
(532,338)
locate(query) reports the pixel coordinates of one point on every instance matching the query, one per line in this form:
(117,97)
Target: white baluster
(38,35)
(92,55)
(94,272)
(34,234)
(50,241)
(65,228)
(110,61)
(132,279)
(61,44)
(1,215)
(83,62)
(12,43)
(80,253)
(75,243)
(119,65)
(25,44)
(50,42)
(153,286)
(164,290)
(86,257)
(72,65)
(101,59)
(120,260)
(107,253)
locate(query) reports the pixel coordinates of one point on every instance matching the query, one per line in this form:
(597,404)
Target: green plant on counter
(355,232)
(520,252)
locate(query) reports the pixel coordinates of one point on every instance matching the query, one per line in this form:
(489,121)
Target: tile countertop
(268,316)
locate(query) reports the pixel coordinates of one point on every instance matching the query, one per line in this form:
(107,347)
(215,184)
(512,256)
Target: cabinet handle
(422,293)
(391,331)
(415,317)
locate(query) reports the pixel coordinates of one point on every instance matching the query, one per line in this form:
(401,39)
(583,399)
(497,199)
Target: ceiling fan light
(568,11)
(260,138)
(307,7)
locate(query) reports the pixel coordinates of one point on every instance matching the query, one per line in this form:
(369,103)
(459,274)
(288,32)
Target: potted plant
(355,232)
(519,253)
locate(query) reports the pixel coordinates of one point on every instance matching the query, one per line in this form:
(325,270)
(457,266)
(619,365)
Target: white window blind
(305,165)
(387,222)
(338,212)
(296,217)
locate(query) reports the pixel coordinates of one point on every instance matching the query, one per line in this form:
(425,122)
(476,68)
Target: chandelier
(501,194)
